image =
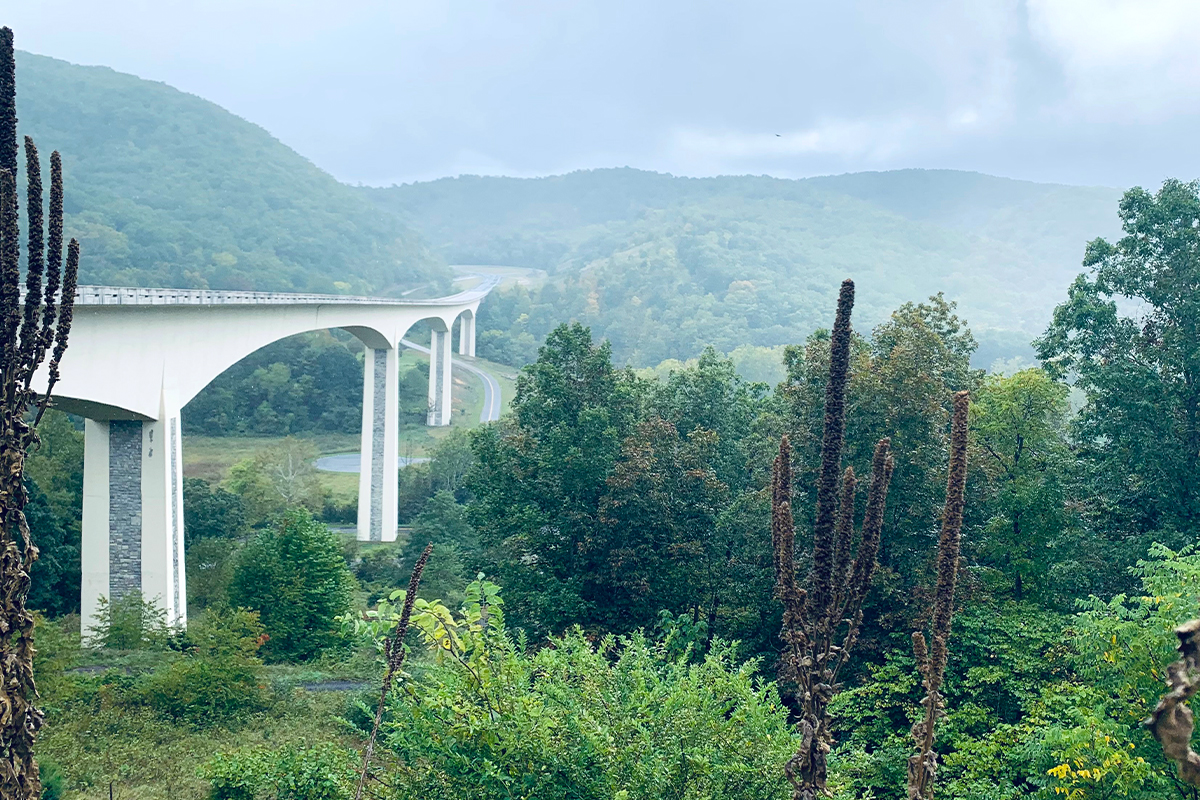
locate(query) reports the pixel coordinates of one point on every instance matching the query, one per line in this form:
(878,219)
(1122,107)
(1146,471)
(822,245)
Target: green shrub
(205,690)
(54,784)
(225,632)
(219,678)
(129,623)
(621,718)
(321,772)
(238,775)
(294,576)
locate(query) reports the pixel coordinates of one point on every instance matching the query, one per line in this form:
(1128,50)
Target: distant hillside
(663,265)
(166,189)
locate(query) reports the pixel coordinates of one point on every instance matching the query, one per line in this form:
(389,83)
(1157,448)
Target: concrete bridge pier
(377,475)
(466,334)
(439,376)
(133,514)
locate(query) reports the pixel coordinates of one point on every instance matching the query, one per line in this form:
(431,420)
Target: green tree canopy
(1129,337)
(294,576)
(1019,425)
(540,475)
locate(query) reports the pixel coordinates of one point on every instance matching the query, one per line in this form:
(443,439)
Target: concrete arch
(466,332)
(124,366)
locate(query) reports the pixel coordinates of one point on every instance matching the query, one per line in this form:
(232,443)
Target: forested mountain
(164,188)
(662,265)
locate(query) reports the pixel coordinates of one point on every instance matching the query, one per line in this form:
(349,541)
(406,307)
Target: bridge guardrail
(139,296)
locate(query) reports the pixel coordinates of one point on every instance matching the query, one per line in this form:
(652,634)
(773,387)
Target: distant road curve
(352,462)
(491,386)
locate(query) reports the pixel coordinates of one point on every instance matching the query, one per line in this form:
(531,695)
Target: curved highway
(491,386)
(350,462)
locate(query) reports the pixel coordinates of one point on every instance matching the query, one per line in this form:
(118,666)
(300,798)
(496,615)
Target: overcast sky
(388,91)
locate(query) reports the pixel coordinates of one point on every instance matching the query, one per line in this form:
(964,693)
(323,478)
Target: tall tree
(1129,336)
(31,328)
(295,577)
(712,396)
(1019,425)
(659,527)
(540,475)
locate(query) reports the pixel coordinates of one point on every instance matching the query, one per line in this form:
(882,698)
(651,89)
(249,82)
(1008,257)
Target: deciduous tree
(1129,337)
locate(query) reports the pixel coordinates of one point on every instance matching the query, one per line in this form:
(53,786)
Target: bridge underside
(133,524)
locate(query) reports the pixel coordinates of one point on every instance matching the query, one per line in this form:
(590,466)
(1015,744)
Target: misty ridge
(181,193)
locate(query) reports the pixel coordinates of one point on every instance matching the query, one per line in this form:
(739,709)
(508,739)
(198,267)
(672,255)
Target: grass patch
(210,457)
(95,737)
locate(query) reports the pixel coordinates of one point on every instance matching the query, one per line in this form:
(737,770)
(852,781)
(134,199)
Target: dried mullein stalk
(1171,723)
(28,325)
(922,765)
(821,622)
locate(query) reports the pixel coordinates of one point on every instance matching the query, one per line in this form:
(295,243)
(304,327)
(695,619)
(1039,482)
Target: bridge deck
(130,296)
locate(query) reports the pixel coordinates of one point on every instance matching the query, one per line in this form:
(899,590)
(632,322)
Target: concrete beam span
(137,356)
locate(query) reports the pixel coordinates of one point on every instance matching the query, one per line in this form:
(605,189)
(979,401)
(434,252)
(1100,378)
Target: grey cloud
(385,92)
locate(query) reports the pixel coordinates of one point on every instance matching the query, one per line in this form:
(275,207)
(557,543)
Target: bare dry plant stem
(28,328)
(393,653)
(922,765)
(1172,723)
(821,623)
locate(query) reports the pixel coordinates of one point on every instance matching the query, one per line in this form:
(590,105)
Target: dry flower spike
(821,622)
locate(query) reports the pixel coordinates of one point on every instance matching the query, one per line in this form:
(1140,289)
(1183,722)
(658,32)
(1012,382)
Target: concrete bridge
(137,356)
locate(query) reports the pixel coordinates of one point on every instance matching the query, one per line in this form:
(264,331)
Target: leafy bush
(204,691)
(54,785)
(1037,707)
(129,623)
(322,772)
(294,576)
(224,633)
(614,720)
(220,677)
(618,719)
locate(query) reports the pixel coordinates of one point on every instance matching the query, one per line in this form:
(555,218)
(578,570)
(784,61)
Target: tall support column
(445,367)
(133,516)
(377,475)
(466,334)
(163,568)
(435,352)
(439,378)
(94,553)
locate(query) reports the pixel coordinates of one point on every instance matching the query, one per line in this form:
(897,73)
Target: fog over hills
(165,188)
(663,265)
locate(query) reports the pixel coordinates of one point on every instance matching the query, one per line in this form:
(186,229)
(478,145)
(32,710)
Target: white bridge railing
(129,296)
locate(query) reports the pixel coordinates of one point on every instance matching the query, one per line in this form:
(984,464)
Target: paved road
(350,462)
(491,386)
